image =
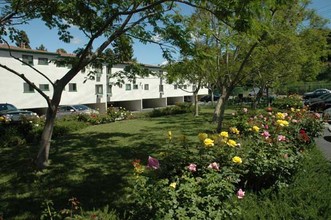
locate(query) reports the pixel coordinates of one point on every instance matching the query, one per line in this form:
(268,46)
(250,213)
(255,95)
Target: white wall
(12,89)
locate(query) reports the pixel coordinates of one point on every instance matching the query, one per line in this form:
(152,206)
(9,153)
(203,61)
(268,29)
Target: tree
(22,40)
(61,50)
(97,20)
(236,50)
(41,47)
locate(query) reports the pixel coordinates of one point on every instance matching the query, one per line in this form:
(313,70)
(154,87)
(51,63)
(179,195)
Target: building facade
(98,91)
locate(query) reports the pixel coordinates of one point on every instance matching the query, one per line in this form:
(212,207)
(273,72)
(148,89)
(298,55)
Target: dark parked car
(321,105)
(10,114)
(318,99)
(207,98)
(316,93)
(64,110)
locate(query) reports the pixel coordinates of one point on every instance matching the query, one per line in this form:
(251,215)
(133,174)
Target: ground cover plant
(93,168)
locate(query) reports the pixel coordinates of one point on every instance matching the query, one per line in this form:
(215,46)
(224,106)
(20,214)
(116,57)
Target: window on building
(127,86)
(120,86)
(27,88)
(44,87)
(161,88)
(98,77)
(135,86)
(28,59)
(98,89)
(185,86)
(175,86)
(42,61)
(146,87)
(109,89)
(72,87)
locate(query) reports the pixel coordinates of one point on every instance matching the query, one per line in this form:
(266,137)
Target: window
(72,87)
(146,87)
(42,61)
(120,86)
(44,87)
(27,88)
(175,86)
(98,89)
(185,86)
(127,86)
(98,77)
(135,86)
(161,88)
(28,59)
(109,89)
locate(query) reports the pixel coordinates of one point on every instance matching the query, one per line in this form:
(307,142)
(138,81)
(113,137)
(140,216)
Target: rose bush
(261,149)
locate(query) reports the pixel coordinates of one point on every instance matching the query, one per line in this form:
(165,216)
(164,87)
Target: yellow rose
(224,134)
(282,123)
(208,142)
(202,136)
(173,185)
(231,143)
(256,128)
(237,159)
(280,115)
(292,110)
(234,130)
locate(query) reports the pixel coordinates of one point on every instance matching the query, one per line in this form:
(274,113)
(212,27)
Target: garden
(168,164)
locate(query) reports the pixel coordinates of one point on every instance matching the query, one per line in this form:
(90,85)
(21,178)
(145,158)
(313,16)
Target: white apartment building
(99,92)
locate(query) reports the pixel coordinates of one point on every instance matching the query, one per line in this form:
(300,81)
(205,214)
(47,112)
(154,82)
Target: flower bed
(261,149)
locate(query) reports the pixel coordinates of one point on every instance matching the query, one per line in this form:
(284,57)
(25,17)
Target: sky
(39,34)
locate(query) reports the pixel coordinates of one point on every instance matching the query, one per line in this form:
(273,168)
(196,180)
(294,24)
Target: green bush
(179,108)
(204,181)
(294,101)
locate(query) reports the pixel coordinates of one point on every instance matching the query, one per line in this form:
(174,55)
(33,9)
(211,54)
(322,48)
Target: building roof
(28,50)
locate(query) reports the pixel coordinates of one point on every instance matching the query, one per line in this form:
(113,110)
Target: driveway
(324,142)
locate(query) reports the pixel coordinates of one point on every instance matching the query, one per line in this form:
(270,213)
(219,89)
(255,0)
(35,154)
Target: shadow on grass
(92,166)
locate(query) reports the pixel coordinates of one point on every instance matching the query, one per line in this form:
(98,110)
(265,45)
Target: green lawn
(94,164)
(91,164)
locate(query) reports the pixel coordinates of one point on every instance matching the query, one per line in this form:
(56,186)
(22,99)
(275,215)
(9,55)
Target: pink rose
(153,163)
(214,166)
(240,194)
(192,167)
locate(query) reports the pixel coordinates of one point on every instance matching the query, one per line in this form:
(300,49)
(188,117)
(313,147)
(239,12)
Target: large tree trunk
(46,136)
(220,107)
(45,143)
(217,110)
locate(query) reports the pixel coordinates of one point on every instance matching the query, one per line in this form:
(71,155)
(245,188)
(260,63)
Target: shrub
(294,101)
(203,181)
(179,108)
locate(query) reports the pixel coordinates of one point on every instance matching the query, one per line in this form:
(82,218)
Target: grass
(93,165)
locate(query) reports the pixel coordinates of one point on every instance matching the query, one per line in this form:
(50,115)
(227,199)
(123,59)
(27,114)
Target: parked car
(318,99)
(320,105)
(207,98)
(316,93)
(64,110)
(11,114)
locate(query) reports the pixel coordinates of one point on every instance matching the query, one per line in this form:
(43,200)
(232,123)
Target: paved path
(324,142)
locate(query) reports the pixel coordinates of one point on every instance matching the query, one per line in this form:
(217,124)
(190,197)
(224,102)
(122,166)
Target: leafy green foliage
(179,108)
(294,101)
